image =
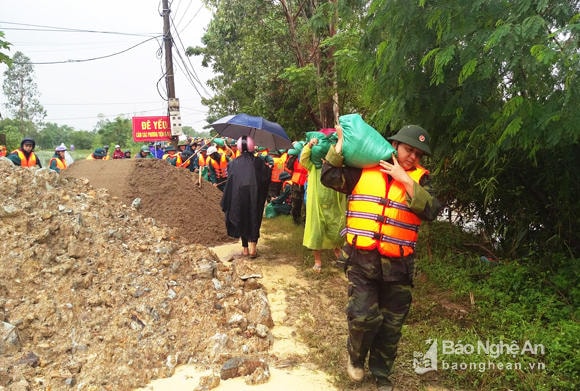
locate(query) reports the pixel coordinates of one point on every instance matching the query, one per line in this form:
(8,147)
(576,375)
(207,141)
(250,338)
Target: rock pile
(95,294)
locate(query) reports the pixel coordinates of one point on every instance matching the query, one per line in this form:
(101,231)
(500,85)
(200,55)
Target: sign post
(155,128)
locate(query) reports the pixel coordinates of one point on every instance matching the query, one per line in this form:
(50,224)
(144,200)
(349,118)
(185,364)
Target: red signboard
(151,129)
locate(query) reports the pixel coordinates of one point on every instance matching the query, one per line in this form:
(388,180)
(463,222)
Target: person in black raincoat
(245,196)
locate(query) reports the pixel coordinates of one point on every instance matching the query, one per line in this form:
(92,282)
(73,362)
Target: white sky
(126,84)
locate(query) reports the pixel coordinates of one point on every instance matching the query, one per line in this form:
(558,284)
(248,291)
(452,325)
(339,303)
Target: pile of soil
(169,195)
(107,280)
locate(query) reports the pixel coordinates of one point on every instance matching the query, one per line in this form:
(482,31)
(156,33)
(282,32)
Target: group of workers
(384,207)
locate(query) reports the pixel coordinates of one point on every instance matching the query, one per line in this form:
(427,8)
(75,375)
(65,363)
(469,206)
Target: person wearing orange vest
(282,205)
(172,156)
(58,161)
(386,204)
(235,151)
(217,164)
(98,154)
(299,177)
(202,164)
(25,156)
(278,168)
(106,149)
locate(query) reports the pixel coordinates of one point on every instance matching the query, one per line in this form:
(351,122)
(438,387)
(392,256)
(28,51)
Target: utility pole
(172,101)
(167,40)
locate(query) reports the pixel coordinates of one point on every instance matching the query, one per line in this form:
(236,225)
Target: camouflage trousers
(297,196)
(379,299)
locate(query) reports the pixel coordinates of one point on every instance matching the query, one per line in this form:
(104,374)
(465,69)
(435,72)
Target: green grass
(513,302)
(45,155)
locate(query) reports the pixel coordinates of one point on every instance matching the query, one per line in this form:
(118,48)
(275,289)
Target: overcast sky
(127,81)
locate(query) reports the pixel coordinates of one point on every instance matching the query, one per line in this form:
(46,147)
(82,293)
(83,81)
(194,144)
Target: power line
(190,71)
(97,103)
(68,30)
(192,18)
(90,59)
(184,12)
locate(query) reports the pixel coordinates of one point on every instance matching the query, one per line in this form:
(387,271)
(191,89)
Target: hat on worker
(211,149)
(28,140)
(145,149)
(284,175)
(60,148)
(99,152)
(414,136)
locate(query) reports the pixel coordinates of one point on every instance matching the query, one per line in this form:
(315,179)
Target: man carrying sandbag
(386,204)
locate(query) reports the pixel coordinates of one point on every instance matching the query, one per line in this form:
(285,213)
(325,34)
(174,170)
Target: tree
(82,139)
(119,131)
(497,84)
(4,58)
(53,135)
(11,128)
(21,91)
(275,59)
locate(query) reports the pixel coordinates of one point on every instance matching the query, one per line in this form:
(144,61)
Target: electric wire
(191,70)
(67,30)
(188,70)
(89,59)
(184,13)
(193,17)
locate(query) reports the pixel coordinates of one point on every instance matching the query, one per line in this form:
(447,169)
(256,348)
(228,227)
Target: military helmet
(414,136)
(100,152)
(145,149)
(28,140)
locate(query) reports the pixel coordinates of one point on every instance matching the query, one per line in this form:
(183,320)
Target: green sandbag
(270,211)
(319,150)
(362,145)
(298,145)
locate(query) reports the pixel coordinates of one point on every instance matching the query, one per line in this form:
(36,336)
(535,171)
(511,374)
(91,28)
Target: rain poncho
(245,196)
(325,210)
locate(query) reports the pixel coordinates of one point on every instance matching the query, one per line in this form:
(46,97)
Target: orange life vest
(378,215)
(184,162)
(60,163)
(175,156)
(26,162)
(299,174)
(221,167)
(201,160)
(277,169)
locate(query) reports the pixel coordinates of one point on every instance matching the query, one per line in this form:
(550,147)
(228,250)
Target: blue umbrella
(265,133)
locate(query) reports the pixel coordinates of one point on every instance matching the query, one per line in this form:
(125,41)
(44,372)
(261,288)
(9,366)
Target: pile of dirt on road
(169,195)
(106,281)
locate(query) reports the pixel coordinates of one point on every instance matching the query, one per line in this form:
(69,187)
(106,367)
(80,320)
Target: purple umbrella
(265,133)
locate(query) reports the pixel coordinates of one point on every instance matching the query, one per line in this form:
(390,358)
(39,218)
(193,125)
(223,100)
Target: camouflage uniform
(379,298)
(379,288)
